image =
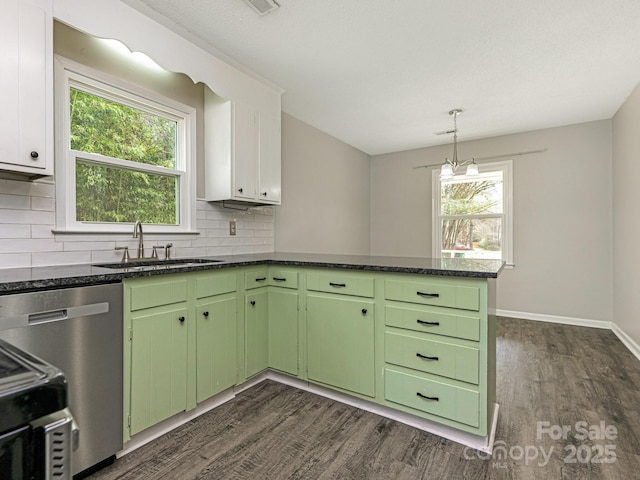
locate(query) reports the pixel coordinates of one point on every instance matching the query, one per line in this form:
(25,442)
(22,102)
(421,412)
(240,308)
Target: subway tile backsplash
(27,218)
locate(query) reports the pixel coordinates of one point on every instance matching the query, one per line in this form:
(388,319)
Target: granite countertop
(19,280)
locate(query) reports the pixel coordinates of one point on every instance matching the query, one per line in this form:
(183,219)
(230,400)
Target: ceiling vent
(263,6)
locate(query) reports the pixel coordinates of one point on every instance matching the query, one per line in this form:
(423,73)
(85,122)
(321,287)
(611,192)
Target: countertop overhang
(21,280)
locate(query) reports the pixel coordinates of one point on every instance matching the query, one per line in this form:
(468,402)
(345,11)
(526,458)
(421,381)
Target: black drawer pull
(428,295)
(181,319)
(279,279)
(419,355)
(253,303)
(206,314)
(261,279)
(436,399)
(423,322)
(364,311)
(337,284)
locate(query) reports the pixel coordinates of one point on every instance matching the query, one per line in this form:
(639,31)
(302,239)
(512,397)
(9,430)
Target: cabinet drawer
(154,293)
(433,320)
(256,278)
(215,284)
(341,283)
(448,401)
(282,277)
(433,293)
(439,358)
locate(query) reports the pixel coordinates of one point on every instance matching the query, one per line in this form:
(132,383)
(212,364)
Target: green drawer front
(341,283)
(445,359)
(256,278)
(434,320)
(215,284)
(155,293)
(282,277)
(455,403)
(433,293)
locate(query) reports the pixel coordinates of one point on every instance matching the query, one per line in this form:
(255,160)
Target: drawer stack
(433,350)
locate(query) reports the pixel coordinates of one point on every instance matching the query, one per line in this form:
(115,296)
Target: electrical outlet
(232,227)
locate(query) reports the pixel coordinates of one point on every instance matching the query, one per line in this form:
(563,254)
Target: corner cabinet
(26,103)
(242,152)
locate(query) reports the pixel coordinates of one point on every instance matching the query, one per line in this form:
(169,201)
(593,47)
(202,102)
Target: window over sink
(123,154)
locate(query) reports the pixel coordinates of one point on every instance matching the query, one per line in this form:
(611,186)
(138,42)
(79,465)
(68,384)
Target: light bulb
(446,171)
(472,169)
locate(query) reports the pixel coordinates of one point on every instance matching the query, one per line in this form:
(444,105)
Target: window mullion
(125,164)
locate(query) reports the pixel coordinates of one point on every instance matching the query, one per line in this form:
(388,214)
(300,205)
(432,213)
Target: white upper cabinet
(242,152)
(26,83)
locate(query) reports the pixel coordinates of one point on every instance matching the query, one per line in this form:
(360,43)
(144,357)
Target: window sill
(60,232)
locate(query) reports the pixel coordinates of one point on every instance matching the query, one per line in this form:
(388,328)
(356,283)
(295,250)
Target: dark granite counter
(19,280)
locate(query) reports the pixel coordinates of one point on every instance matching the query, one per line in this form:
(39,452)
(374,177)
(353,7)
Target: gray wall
(562,216)
(325,193)
(626,226)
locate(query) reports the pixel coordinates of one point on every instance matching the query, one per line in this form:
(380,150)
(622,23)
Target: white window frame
(506,167)
(72,74)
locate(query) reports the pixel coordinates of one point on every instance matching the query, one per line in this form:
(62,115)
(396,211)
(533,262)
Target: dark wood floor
(546,373)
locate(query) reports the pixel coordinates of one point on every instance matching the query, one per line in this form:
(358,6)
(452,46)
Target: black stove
(29,388)
(36,429)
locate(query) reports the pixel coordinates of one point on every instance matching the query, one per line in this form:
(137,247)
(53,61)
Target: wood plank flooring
(546,373)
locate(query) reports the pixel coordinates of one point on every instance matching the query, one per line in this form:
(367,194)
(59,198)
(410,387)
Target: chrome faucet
(137,228)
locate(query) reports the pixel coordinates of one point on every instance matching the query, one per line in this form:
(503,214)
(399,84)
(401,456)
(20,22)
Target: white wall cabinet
(242,152)
(26,103)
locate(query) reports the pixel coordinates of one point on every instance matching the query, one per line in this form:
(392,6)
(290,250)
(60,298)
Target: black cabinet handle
(264,194)
(261,279)
(278,279)
(181,319)
(436,399)
(34,154)
(253,303)
(428,295)
(241,189)
(206,314)
(419,355)
(337,284)
(364,311)
(423,322)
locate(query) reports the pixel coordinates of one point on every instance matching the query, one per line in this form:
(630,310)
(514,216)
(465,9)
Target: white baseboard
(483,444)
(541,317)
(627,340)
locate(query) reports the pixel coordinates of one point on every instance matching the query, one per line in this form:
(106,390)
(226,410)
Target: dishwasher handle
(51,316)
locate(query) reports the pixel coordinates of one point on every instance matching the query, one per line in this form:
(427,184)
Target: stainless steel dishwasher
(79,330)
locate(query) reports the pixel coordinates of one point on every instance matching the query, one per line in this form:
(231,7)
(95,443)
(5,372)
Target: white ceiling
(381,75)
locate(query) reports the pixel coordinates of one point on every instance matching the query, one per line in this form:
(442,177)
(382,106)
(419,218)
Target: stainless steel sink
(148,264)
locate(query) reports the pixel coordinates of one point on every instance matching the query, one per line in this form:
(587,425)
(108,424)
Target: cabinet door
(26,83)
(341,343)
(216,352)
(256,332)
(283,330)
(269,174)
(158,366)
(245,158)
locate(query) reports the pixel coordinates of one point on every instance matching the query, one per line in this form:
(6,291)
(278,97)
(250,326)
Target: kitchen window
(123,154)
(472,215)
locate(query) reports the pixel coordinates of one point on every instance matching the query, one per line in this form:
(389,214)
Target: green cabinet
(256,332)
(216,346)
(283,330)
(341,343)
(158,366)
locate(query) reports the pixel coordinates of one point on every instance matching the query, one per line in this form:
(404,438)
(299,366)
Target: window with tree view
(473,214)
(126,158)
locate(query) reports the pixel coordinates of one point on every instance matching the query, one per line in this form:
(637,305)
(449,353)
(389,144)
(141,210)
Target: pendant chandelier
(449,167)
